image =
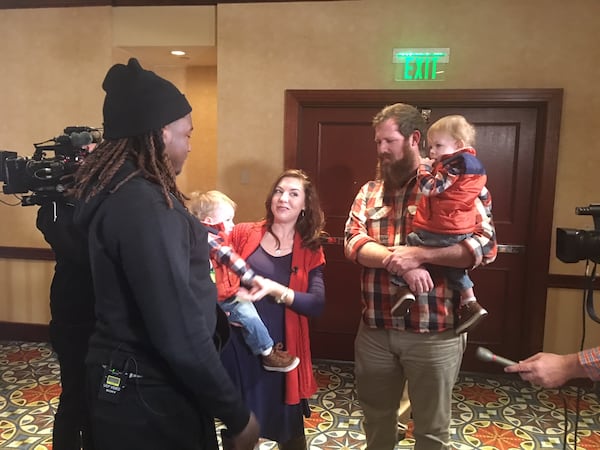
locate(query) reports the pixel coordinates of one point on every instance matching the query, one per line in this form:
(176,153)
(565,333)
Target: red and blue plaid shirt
(590,360)
(388,221)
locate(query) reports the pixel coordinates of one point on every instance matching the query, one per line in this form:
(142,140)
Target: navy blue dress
(264,391)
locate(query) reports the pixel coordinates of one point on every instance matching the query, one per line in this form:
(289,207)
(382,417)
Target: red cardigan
(300,383)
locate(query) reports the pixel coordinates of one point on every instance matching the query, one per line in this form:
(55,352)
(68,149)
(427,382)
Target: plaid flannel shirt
(388,221)
(590,360)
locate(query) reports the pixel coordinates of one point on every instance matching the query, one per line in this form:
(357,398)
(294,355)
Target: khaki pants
(384,361)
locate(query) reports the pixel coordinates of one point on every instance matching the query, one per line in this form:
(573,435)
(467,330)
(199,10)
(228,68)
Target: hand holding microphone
(545,369)
(486,355)
(550,370)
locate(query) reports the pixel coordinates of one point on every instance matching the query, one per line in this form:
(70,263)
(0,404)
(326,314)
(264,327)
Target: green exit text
(420,67)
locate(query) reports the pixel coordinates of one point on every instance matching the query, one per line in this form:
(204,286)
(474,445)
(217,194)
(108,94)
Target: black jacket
(72,291)
(155,301)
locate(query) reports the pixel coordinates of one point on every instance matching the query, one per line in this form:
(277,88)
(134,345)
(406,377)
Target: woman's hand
(260,288)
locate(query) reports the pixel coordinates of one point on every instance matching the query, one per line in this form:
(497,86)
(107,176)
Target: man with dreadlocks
(155,379)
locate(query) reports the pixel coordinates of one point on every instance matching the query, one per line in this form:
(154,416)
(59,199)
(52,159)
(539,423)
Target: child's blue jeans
(255,332)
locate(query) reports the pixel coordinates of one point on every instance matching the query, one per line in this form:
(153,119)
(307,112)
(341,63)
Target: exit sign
(421,64)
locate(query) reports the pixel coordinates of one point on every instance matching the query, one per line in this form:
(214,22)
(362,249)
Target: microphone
(486,355)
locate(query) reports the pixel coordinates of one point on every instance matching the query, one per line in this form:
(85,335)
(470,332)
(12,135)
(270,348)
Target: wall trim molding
(29,332)
(40,332)
(30,253)
(558,281)
(21,4)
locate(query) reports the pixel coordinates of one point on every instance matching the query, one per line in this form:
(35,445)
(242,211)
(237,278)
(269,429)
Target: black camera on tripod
(46,176)
(576,245)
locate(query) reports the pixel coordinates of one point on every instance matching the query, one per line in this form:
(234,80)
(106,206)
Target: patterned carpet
(489,412)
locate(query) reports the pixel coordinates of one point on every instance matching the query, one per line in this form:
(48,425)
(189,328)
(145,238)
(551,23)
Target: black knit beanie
(138,101)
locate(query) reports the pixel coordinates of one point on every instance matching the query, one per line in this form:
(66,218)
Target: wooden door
(335,145)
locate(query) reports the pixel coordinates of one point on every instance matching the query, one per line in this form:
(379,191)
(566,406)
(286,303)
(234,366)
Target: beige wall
(266,48)
(200,171)
(51,64)
(25,290)
(51,76)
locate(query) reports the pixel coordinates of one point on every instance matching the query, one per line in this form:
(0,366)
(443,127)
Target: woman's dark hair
(147,152)
(311,222)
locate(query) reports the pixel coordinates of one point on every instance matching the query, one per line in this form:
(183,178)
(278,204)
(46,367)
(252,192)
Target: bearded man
(421,348)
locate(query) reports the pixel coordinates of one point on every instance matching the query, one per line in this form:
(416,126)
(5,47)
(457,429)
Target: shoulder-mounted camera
(47,173)
(576,245)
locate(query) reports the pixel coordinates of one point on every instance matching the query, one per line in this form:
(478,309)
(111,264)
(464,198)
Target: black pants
(71,429)
(150,415)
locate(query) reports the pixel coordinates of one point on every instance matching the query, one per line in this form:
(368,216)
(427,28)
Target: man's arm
(590,361)
(406,258)
(359,245)
(550,370)
(363,249)
(372,255)
(483,243)
(480,248)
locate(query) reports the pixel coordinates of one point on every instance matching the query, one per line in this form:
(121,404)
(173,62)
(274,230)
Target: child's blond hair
(457,127)
(204,204)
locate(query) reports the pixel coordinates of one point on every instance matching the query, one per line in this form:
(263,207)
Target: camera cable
(590,277)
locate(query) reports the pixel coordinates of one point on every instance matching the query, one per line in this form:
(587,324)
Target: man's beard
(396,174)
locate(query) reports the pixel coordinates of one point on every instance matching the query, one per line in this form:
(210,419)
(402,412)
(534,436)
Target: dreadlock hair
(146,151)
(311,221)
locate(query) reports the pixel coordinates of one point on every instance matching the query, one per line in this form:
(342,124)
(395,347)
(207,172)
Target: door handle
(510,248)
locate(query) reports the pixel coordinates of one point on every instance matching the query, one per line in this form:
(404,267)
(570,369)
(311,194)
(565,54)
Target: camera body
(574,245)
(47,173)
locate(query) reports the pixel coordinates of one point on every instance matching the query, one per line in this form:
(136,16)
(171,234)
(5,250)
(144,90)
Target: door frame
(547,102)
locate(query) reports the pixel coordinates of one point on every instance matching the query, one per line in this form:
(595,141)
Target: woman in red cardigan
(284,248)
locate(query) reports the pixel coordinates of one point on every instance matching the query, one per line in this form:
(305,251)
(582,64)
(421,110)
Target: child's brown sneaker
(469,316)
(404,300)
(279,360)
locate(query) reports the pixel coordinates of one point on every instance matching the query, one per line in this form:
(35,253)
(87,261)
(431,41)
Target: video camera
(575,245)
(43,175)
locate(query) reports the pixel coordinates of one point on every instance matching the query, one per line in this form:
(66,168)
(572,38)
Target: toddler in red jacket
(446,214)
(216,211)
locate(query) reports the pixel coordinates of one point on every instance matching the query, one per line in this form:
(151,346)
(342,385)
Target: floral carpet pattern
(489,412)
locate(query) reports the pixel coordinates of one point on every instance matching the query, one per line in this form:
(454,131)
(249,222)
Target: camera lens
(575,245)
